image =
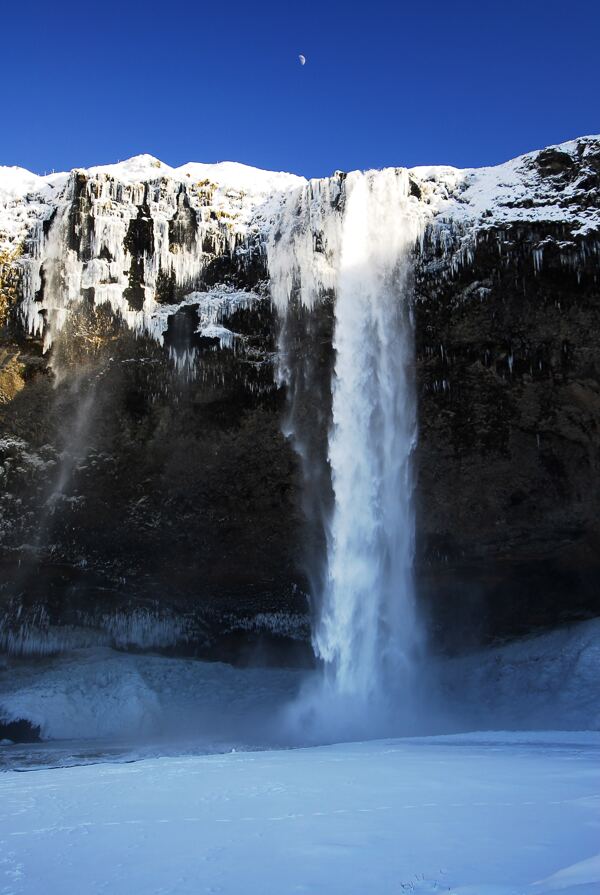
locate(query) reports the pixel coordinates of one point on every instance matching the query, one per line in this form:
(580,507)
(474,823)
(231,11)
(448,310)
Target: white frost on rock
(515,191)
(232,208)
(35,635)
(95,693)
(216,209)
(469,202)
(277,624)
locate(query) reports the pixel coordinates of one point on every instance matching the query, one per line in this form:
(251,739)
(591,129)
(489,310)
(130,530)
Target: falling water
(365,629)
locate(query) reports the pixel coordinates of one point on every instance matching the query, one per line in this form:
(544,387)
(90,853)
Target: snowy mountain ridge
(142,235)
(22,191)
(514,190)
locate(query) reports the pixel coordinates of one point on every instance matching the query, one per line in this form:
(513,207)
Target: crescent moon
(302,59)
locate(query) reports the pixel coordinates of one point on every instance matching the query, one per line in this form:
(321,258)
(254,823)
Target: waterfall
(362,230)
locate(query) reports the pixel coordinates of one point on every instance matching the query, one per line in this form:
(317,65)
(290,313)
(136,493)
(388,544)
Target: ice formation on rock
(138,235)
(123,233)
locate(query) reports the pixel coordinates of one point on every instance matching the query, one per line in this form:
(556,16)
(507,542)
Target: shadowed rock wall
(150,499)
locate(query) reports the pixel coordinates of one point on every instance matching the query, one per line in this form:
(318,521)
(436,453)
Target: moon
(302,59)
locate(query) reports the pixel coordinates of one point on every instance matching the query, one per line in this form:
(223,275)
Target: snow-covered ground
(506,815)
(127,795)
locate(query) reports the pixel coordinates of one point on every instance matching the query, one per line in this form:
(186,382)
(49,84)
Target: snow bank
(546,682)
(99,693)
(549,680)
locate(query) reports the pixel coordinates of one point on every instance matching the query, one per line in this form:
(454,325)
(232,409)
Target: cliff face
(149,497)
(506,324)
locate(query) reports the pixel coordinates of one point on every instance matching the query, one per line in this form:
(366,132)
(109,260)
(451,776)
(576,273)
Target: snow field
(457,816)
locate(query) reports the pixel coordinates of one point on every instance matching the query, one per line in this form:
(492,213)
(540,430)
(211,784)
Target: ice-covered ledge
(141,236)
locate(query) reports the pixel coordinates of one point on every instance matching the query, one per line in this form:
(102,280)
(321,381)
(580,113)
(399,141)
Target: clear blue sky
(463,83)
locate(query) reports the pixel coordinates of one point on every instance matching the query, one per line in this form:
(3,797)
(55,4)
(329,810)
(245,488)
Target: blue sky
(463,83)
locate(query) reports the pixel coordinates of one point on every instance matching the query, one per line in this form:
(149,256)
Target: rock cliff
(149,496)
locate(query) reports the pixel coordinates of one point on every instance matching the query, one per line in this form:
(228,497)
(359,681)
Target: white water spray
(366,628)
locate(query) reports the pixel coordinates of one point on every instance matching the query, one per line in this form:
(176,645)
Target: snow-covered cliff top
(18,182)
(25,197)
(256,181)
(553,184)
(181,219)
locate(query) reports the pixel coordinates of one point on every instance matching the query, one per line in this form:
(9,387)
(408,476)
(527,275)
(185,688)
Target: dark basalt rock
(183,226)
(182,491)
(554,161)
(415,189)
(509,364)
(80,225)
(139,240)
(19,731)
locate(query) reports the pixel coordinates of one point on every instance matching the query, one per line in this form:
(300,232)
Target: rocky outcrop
(506,322)
(149,497)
